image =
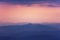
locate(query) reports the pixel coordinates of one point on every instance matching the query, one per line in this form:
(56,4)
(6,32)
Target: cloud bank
(49,3)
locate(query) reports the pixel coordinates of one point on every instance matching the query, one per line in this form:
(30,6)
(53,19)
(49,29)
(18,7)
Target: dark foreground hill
(29,32)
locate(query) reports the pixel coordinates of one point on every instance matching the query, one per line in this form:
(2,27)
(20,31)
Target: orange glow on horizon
(34,13)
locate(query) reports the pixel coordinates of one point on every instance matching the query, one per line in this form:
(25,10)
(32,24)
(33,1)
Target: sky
(34,11)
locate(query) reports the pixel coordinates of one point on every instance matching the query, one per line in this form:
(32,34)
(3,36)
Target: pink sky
(34,13)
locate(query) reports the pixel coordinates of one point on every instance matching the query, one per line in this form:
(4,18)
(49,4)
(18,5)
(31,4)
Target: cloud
(50,3)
